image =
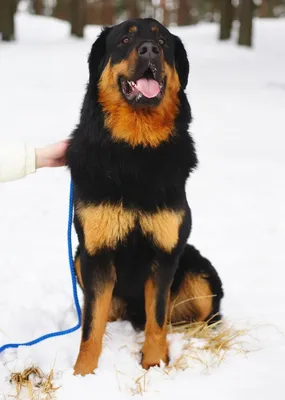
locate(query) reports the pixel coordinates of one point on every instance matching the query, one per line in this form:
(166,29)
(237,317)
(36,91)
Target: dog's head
(138,66)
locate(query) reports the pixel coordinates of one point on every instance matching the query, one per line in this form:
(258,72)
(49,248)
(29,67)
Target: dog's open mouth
(147,87)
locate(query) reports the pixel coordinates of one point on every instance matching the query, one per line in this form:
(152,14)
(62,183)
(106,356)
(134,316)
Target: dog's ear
(97,55)
(181,61)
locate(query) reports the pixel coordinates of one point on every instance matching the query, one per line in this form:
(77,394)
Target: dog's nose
(148,50)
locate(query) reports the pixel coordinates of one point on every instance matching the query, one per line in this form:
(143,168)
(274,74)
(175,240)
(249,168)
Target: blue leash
(74,288)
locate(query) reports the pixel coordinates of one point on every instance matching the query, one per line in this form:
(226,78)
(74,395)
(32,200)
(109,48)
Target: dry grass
(140,384)
(205,344)
(208,344)
(38,385)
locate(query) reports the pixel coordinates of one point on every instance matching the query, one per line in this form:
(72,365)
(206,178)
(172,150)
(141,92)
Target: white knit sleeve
(16,161)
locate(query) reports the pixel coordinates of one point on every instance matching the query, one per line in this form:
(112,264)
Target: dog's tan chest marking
(163,227)
(106,225)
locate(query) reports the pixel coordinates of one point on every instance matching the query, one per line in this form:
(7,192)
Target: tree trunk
(246,17)
(38,7)
(212,8)
(184,15)
(164,12)
(226,22)
(133,8)
(62,10)
(7,25)
(107,12)
(78,17)
(267,9)
(201,8)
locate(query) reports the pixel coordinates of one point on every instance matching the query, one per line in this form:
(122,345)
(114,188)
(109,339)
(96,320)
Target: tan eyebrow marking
(155,28)
(133,29)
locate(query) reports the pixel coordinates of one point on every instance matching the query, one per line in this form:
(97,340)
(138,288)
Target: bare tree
(133,8)
(246,17)
(107,12)
(78,17)
(226,22)
(184,13)
(201,9)
(267,9)
(212,7)
(38,7)
(7,25)
(62,10)
(164,12)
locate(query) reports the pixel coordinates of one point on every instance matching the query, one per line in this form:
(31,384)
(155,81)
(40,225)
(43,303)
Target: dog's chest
(145,179)
(108,225)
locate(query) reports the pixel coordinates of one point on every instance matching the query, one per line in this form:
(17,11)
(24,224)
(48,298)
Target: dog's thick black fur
(131,213)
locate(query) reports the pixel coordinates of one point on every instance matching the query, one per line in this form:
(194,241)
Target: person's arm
(19,160)
(16,161)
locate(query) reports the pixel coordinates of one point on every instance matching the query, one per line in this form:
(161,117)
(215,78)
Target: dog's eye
(126,40)
(161,41)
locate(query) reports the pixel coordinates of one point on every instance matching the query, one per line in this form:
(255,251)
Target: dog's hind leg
(196,290)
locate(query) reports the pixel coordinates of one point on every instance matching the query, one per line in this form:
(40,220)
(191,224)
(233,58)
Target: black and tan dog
(130,157)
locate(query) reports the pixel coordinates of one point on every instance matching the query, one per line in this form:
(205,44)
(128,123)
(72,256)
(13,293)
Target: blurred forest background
(80,13)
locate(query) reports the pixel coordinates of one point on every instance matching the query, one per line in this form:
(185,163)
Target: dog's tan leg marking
(194,301)
(77,267)
(155,347)
(91,348)
(117,309)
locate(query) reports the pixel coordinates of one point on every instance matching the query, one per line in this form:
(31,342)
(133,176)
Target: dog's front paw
(152,356)
(85,366)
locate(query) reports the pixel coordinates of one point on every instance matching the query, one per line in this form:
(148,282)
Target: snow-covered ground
(236,195)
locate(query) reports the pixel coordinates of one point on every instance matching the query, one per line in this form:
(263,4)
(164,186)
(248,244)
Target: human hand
(52,155)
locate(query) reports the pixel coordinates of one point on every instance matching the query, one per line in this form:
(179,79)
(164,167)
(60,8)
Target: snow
(237,199)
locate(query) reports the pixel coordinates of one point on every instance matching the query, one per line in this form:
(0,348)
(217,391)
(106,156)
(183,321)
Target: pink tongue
(148,87)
